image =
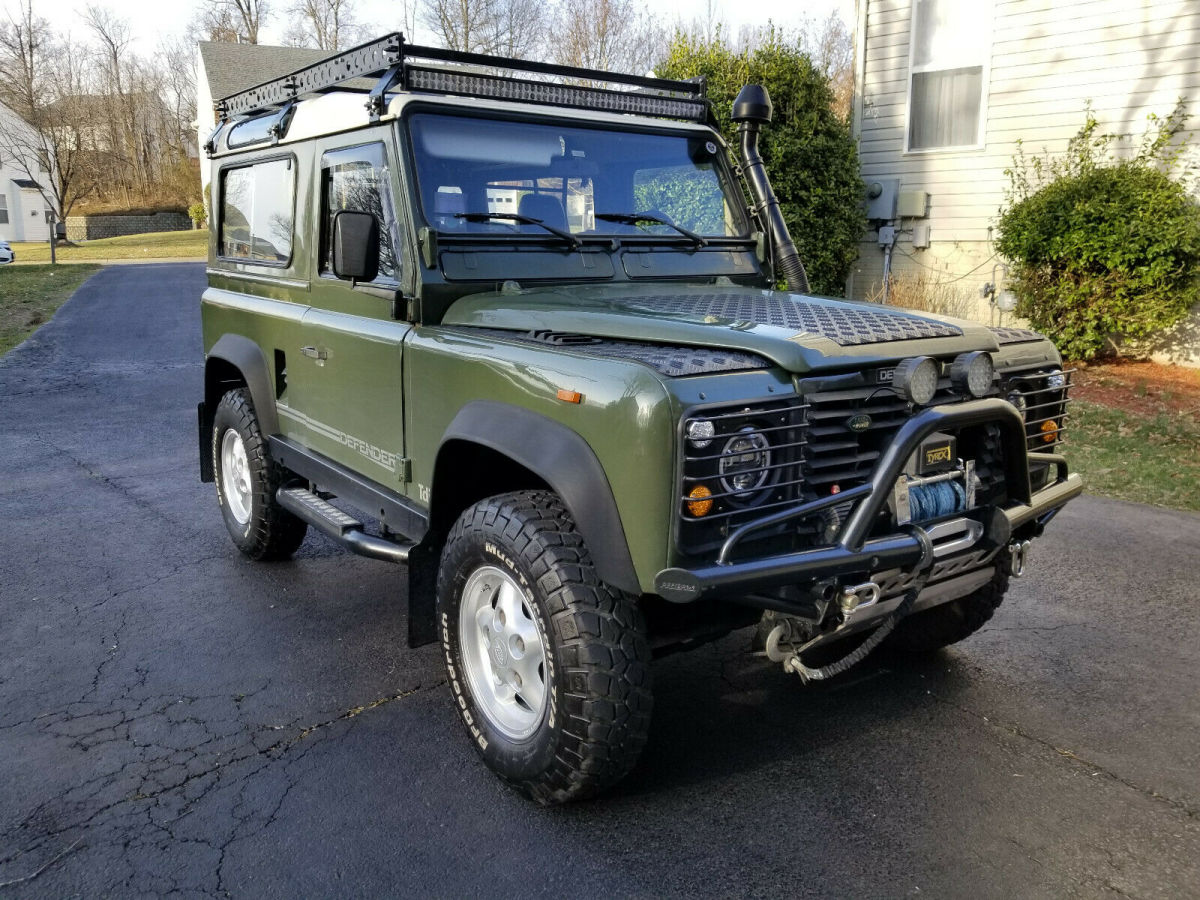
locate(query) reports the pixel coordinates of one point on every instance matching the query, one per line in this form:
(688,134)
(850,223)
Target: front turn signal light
(699,502)
(1049,431)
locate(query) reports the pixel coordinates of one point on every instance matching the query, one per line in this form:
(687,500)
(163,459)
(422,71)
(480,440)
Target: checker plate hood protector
(800,333)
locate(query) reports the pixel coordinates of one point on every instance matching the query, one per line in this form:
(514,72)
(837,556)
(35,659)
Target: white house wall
(1130,58)
(26,208)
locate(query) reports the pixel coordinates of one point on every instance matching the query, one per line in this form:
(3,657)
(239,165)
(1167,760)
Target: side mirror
(355,245)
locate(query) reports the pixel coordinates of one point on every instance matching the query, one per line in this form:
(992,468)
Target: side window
(357,178)
(257,204)
(3,209)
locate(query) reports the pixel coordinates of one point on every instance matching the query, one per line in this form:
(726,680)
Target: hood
(798,332)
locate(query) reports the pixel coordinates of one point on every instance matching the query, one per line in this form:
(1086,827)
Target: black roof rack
(433,70)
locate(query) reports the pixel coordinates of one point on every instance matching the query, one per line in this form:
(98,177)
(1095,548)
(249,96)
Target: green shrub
(809,153)
(1103,249)
(198,214)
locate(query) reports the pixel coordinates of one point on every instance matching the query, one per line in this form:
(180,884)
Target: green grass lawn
(30,295)
(155,245)
(1145,459)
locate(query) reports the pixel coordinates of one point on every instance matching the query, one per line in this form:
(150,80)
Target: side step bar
(343,528)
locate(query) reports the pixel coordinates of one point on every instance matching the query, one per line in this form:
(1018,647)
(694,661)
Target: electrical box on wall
(913,205)
(920,236)
(881,199)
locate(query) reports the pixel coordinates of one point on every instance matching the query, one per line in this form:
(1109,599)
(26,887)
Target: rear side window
(257,205)
(357,179)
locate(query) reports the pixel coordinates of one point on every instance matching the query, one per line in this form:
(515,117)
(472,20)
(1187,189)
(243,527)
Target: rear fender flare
(247,357)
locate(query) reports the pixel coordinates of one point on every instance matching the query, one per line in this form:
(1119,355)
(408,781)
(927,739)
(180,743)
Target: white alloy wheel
(503,653)
(235,476)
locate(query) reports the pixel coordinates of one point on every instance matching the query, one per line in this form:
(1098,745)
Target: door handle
(315,353)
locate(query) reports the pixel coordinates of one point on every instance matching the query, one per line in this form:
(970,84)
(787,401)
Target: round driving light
(1017,399)
(917,379)
(1056,379)
(972,373)
(744,462)
(700,432)
(1049,431)
(698,504)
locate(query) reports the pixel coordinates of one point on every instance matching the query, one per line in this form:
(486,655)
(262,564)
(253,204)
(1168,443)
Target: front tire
(246,479)
(549,667)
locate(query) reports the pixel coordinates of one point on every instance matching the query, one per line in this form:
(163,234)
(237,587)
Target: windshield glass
(473,171)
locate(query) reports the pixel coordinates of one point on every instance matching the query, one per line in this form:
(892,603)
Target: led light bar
(476,84)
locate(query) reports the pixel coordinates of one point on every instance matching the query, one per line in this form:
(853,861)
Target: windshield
(483,176)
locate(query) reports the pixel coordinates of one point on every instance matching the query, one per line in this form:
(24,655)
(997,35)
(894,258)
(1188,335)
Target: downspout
(752,110)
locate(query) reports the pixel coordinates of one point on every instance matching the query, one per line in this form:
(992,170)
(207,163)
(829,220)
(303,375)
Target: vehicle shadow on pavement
(723,711)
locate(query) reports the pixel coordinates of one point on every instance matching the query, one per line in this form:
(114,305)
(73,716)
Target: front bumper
(910,548)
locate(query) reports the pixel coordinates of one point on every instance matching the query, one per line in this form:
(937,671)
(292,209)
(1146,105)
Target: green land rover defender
(516,327)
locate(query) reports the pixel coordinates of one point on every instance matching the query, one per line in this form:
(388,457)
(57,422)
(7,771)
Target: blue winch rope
(931,501)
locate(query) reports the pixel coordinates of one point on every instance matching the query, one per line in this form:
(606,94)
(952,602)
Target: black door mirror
(355,245)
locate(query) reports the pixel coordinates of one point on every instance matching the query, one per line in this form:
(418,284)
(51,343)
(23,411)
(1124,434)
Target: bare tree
(40,79)
(830,46)
(214,22)
(505,27)
(613,35)
(324,24)
(231,20)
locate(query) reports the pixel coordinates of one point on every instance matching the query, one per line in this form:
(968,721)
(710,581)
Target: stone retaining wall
(88,228)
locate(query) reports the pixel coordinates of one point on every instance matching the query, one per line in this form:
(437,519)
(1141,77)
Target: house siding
(1129,58)
(26,207)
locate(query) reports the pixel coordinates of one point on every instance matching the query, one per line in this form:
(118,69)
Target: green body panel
(626,415)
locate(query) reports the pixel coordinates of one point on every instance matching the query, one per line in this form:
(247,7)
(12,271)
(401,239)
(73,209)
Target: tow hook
(1018,552)
(860,596)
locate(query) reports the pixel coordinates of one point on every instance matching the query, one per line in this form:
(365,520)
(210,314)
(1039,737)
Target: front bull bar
(911,548)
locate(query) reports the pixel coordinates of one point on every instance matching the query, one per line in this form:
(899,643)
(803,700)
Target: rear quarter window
(257,212)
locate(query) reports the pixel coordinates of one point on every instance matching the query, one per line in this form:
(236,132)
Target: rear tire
(549,666)
(949,623)
(246,479)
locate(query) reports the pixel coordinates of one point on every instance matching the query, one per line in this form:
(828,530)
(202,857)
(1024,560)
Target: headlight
(744,462)
(1056,379)
(972,373)
(1017,399)
(700,432)
(917,379)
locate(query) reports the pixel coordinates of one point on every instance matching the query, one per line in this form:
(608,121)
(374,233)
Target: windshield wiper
(634,218)
(524,220)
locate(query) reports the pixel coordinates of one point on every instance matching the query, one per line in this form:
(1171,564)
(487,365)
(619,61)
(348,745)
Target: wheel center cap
(499,652)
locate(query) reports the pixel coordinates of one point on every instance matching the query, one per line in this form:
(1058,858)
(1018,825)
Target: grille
(844,324)
(1044,405)
(761,444)
(1016,336)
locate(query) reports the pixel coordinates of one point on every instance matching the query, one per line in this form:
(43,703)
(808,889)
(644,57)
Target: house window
(256,212)
(3,209)
(949,57)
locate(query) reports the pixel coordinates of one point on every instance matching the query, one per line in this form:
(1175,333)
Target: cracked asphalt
(176,720)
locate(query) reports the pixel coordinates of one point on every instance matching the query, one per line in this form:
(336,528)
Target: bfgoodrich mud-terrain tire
(548,666)
(247,479)
(932,629)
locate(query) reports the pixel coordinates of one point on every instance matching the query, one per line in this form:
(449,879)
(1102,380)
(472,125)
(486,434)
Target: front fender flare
(565,461)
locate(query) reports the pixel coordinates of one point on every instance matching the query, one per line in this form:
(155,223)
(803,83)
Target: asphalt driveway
(174,718)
